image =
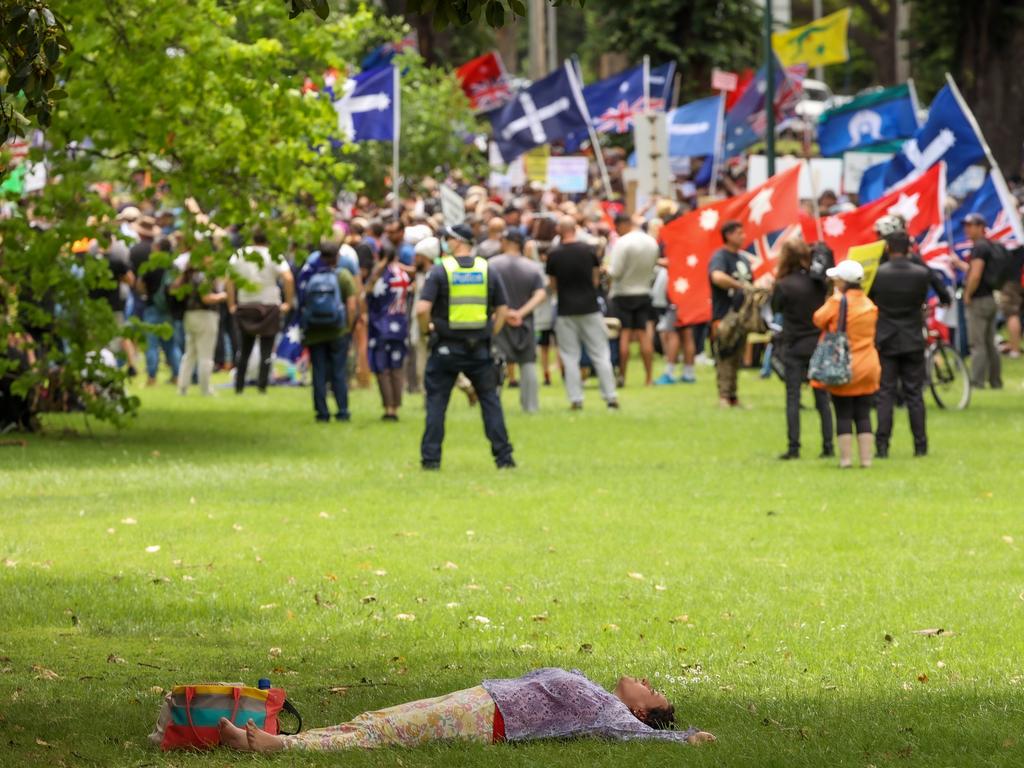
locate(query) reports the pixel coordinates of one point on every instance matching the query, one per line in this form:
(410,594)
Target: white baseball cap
(849,271)
(429,247)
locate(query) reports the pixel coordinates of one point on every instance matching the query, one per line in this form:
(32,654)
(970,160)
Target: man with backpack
(987,272)
(327,310)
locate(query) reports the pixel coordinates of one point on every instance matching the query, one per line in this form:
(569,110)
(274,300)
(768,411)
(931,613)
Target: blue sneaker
(664,379)
(687,378)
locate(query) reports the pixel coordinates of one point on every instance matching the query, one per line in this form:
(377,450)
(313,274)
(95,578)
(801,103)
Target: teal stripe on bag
(204,717)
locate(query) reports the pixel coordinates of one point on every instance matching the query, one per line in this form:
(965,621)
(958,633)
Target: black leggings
(851,410)
(242,364)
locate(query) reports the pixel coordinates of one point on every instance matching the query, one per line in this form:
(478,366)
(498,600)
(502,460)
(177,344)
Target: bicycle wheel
(948,377)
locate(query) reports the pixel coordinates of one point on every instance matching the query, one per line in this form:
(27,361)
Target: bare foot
(232,736)
(261,741)
(702,737)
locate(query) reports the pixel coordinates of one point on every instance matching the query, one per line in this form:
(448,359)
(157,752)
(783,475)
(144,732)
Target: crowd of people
(374,298)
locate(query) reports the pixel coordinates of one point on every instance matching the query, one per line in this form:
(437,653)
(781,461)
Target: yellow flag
(823,41)
(536,163)
(869,257)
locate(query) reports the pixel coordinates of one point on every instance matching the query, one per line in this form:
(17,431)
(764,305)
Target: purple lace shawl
(553,703)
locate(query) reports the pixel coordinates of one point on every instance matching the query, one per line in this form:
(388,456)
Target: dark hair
(329,251)
(356,228)
(259,237)
(729,227)
(660,718)
(795,254)
(898,242)
(623,219)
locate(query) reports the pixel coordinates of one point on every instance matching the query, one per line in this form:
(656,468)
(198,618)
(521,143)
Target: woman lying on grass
(544,704)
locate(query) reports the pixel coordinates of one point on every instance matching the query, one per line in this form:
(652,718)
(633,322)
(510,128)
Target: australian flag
(614,102)
(1001,219)
(366,110)
(693,128)
(948,135)
(549,110)
(290,345)
(746,122)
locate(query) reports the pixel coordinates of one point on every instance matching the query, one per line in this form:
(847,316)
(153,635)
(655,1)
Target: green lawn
(776,603)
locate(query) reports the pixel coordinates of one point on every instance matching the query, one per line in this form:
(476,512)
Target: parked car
(817,97)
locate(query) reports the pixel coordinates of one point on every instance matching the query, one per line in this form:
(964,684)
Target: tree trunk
(988,69)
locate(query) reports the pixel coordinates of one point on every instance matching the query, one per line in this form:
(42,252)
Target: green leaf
(57,94)
(321,8)
(518,8)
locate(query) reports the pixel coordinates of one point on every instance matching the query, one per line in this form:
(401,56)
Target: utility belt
(457,344)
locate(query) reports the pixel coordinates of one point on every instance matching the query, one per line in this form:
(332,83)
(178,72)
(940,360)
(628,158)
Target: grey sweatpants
(572,331)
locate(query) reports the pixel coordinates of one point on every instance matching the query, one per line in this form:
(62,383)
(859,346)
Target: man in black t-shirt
(981,307)
(574,273)
(730,276)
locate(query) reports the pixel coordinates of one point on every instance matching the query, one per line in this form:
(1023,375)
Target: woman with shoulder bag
(849,310)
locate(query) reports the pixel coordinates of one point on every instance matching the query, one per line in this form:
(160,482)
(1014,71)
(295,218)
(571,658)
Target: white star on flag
(761,205)
(682,285)
(294,334)
(691,260)
(907,206)
(708,219)
(834,226)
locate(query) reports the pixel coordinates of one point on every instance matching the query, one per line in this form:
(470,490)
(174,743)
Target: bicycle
(948,377)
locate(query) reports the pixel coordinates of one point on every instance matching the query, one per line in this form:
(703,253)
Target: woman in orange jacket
(852,401)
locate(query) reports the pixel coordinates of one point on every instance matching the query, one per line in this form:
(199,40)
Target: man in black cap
(899,290)
(525,285)
(461,305)
(981,304)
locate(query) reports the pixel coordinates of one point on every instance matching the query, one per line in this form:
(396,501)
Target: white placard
(452,206)
(569,174)
(822,173)
(854,166)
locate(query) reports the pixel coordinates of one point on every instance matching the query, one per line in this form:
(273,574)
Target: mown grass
(775,603)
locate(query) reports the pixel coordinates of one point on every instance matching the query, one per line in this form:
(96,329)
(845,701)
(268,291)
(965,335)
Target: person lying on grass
(544,704)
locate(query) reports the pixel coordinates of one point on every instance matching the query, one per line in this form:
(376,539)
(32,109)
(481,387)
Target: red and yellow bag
(190,716)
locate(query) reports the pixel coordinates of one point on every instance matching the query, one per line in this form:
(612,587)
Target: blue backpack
(322,306)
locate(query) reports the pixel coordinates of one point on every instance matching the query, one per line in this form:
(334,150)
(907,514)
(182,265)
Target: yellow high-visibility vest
(467,294)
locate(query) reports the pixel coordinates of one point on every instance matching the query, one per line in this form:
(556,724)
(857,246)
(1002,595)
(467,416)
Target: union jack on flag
(768,248)
(619,118)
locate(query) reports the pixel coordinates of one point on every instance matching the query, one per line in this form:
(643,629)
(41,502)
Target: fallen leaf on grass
(1009,743)
(42,673)
(934,632)
(157,690)
(8,563)
(586,648)
(481,619)
(472,586)
(380,572)
(153,548)
(539,617)
(405,616)
(368,599)
(268,606)
(339,690)
(1008,539)
(129,521)
(237,527)
(635,575)
(450,566)
(325,516)
(922,678)
(611,627)
(451,605)
(660,587)
(115,659)
(274,652)
(683,618)
(42,743)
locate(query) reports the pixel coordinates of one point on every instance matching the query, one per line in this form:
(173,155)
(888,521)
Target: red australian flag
(485,82)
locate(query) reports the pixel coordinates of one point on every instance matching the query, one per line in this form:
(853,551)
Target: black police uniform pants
(796,377)
(906,370)
(446,361)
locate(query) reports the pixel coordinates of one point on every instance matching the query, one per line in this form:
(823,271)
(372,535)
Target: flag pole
(912,88)
(997,173)
(769,94)
(647,83)
(581,104)
(396,128)
(716,158)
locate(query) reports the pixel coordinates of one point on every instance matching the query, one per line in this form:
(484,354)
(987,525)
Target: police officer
(461,306)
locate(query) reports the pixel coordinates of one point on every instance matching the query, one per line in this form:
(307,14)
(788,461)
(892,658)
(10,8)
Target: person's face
(974,230)
(736,238)
(639,695)
(394,233)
